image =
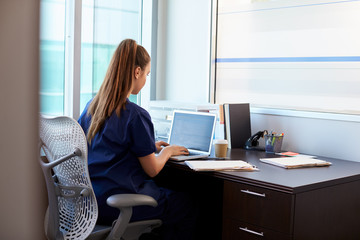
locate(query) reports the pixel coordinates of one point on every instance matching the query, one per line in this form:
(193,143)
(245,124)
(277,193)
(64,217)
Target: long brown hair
(117,84)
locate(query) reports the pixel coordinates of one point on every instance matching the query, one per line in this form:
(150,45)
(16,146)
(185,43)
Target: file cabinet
(256,213)
(324,212)
(241,230)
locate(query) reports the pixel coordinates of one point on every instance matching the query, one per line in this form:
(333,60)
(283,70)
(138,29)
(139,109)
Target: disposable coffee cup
(221,146)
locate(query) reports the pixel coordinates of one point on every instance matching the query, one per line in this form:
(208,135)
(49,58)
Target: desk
(274,203)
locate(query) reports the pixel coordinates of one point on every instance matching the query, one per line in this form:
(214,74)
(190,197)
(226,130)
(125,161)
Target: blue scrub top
(113,153)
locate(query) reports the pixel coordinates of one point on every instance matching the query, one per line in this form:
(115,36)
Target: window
(104,24)
(52,56)
(293,55)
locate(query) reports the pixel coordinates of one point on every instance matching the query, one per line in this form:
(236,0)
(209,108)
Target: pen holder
(273,143)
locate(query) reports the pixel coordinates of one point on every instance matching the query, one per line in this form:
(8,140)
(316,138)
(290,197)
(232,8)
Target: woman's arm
(152,164)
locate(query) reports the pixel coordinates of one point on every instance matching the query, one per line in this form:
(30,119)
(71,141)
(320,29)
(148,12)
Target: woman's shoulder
(136,109)
(84,116)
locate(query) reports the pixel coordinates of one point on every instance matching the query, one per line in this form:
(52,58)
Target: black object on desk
(253,142)
(237,124)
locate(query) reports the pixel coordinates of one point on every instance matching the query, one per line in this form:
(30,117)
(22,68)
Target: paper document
(296,162)
(212,165)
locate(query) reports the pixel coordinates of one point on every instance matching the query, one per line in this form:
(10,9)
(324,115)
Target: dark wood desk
(274,203)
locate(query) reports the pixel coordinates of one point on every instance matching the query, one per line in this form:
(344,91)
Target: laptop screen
(193,130)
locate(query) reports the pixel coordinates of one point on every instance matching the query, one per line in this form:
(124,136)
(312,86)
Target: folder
(213,165)
(295,162)
(237,124)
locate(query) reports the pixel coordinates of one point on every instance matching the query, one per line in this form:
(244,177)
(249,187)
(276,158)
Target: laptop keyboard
(192,154)
(188,157)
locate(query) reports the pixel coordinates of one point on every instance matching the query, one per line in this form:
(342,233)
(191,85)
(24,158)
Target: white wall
(21,186)
(314,136)
(183,50)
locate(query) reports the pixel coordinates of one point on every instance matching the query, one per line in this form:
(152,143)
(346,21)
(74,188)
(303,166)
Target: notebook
(296,162)
(193,130)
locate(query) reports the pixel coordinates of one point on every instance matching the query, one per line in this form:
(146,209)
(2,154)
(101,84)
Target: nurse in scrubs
(122,147)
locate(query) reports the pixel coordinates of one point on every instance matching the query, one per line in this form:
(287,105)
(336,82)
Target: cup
(221,146)
(273,143)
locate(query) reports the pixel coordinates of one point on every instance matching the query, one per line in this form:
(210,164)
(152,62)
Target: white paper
(212,165)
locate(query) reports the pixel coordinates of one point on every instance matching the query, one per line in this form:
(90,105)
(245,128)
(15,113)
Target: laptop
(193,130)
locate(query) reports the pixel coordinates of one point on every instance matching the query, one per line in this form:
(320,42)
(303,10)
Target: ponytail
(117,84)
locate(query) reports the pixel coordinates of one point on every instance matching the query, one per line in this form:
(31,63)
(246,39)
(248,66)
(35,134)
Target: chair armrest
(130,200)
(125,202)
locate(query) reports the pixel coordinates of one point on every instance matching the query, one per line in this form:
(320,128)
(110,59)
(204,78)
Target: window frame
(73,42)
(73,59)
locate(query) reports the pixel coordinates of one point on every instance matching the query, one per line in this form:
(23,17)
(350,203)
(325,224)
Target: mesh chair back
(77,209)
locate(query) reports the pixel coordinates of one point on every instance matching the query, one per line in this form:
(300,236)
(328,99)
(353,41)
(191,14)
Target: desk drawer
(258,206)
(239,230)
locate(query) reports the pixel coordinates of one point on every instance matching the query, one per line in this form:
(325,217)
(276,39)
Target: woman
(122,148)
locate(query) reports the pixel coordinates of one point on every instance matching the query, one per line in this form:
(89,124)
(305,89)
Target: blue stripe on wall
(290,59)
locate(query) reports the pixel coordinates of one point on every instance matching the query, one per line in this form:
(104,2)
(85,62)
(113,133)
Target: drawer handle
(251,231)
(254,193)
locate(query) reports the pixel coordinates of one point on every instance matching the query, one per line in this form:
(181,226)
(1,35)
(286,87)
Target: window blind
(290,54)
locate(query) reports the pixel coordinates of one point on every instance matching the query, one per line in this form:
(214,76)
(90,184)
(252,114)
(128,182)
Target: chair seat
(134,228)
(99,232)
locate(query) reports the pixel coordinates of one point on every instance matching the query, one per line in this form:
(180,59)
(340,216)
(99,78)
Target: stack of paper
(213,165)
(296,162)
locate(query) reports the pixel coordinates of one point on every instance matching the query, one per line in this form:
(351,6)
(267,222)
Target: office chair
(72,212)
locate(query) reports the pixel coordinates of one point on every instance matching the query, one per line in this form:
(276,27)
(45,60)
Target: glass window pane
(105,23)
(52,56)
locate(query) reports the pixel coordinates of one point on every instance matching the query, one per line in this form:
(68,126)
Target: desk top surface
(287,180)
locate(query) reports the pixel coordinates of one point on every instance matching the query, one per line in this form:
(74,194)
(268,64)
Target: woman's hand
(152,164)
(160,144)
(174,150)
